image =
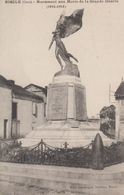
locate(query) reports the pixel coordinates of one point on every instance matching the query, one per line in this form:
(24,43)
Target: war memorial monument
(66,112)
(67,137)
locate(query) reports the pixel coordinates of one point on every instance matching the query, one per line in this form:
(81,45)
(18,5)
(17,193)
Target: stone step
(76,174)
(57,137)
(69,124)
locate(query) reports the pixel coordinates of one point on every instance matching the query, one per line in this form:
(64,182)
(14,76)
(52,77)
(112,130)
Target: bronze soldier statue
(60,51)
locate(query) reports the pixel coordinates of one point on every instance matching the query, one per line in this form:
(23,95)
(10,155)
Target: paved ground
(15,187)
(18,189)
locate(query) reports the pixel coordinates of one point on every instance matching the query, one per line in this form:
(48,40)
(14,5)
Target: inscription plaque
(57,102)
(80,98)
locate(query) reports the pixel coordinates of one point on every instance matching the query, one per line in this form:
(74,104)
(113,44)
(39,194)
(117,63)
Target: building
(5,108)
(41,92)
(21,110)
(119,97)
(37,90)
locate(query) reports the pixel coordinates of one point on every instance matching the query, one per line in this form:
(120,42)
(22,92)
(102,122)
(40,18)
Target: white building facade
(119,96)
(20,110)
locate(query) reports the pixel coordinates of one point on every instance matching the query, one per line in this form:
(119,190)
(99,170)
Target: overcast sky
(25,34)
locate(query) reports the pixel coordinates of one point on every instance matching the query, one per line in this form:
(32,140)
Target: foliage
(107,121)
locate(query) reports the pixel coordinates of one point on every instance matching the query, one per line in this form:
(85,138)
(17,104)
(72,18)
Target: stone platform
(57,133)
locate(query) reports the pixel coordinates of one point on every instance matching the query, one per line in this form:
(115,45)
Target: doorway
(5,129)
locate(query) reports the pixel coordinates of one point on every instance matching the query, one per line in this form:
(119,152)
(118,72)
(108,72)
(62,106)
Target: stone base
(56,133)
(70,69)
(66,99)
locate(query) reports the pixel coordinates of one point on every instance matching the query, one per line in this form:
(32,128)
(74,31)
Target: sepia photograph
(61,97)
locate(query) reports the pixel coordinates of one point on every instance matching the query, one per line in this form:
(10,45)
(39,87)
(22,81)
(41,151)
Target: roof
(4,82)
(119,94)
(18,90)
(44,89)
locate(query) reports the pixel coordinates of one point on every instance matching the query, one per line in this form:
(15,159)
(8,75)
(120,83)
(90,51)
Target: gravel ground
(102,187)
(18,189)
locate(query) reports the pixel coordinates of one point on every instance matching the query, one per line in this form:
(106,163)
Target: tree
(107,121)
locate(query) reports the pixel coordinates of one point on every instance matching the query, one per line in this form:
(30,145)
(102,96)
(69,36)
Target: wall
(41,107)
(28,120)
(5,111)
(24,115)
(120,119)
(36,91)
(40,118)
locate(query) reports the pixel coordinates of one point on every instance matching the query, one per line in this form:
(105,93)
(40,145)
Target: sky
(25,35)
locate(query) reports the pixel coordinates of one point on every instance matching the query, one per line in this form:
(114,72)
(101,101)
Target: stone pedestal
(66,99)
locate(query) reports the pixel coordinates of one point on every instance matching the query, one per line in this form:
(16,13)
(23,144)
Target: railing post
(42,160)
(65,160)
(98,153)
(41,146)
(65,145)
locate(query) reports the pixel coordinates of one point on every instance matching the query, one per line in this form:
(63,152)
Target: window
(34,111)
(5,128)
(44,109)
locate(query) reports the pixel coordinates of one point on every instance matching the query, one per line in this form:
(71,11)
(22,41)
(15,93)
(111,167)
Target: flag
(68,25)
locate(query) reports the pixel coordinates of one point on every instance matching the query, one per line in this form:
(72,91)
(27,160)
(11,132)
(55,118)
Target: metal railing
(95,155)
